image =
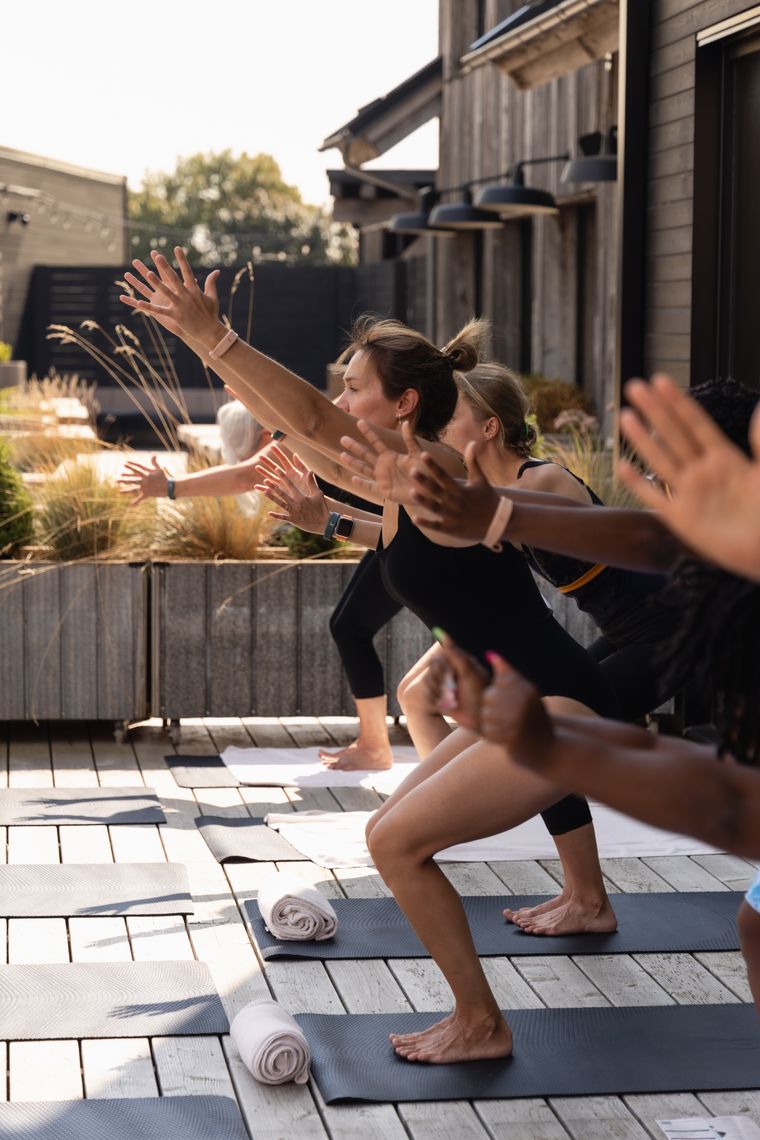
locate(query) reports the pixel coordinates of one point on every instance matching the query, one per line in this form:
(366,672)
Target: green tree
(227,208)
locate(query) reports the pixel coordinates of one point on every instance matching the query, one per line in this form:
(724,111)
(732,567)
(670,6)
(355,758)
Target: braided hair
(717,637)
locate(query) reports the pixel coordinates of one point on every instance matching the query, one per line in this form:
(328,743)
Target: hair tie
(526,429)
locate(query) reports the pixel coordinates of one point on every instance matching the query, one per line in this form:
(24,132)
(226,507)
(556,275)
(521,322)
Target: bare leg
(371,750)
(455,743)
(583,905)
(427,727)
(468,798)
(749,937)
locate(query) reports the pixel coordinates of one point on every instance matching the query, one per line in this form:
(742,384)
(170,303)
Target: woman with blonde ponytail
(484,596)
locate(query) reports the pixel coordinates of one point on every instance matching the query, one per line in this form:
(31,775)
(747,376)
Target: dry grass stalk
(80,515)
(211,529)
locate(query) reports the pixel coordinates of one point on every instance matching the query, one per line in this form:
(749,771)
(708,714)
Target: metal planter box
(252,639)
(73,641)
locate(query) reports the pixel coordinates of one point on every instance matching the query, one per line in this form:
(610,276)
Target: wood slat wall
(231,639)
(488,124)
(670,233)
(74,641)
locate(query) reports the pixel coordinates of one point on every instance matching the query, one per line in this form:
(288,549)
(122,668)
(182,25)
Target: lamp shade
(511,200)
(597,161)
(417,222)
(591,168)
(463,216)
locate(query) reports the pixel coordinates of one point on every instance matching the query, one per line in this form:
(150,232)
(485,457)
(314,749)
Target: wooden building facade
(703,224)
(53,213)
(655,271)
(548,284)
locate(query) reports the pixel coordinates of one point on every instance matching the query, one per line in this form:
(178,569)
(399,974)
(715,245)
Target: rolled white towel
(295,911)
(271,1044)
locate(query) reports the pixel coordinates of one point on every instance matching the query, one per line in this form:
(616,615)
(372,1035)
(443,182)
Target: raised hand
(446,505)
(377,467)
(512,715)
(143,482)
(174,300)
(710,495)
(292,486)
(455,683)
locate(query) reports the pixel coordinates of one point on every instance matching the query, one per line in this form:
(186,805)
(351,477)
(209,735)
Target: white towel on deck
(336,839)
(271,1044)
(296,911)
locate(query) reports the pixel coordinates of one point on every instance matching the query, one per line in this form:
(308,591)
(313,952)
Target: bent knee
(566,706)
(388,845)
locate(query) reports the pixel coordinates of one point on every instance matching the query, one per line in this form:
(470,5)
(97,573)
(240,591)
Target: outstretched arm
(458,513)
(253,377)
(668,783)
(713,499)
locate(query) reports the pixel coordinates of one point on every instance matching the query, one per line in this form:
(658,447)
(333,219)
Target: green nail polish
(438,633)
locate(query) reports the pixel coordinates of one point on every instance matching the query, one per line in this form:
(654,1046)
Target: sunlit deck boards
(84,755)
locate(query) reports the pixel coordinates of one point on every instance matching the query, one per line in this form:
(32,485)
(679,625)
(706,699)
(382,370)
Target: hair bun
(467,347)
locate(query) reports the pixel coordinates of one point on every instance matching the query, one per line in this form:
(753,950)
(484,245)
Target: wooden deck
(82,755)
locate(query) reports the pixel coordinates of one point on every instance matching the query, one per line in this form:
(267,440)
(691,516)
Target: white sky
(128,87)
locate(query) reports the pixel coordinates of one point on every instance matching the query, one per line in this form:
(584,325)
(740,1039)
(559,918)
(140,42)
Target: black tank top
(490,601)
(606,593)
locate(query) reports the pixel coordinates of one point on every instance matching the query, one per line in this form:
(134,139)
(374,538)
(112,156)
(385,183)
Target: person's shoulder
(554,478)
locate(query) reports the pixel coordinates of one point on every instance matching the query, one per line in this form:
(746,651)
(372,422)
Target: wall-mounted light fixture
(513,199)
(598,161)
(463,215)
(418,221)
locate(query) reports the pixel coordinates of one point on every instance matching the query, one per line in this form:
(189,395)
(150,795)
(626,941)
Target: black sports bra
(606,593)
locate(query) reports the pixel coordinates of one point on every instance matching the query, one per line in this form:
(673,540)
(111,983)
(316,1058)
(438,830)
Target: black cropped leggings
(633,675)
(365,606)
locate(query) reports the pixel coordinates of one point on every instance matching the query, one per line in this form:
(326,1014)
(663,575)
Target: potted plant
(74,616)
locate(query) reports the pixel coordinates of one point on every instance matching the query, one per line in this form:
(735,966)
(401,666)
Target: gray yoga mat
(245,840)
(67,889)
(201,772)
(139,1118)
(376,928)
(78,805)
(108,999)
(557,1052)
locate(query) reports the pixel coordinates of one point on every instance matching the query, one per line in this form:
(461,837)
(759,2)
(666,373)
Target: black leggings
(632,672)
(365,606)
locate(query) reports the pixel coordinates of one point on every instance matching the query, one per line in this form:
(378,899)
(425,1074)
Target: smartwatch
(170,488)
(332,522)
(344,528)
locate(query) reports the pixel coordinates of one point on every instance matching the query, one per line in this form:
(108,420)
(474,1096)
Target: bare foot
(572,916)
(358,756)
(455,1039)
(530,912)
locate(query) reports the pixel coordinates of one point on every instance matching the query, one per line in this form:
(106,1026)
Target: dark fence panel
(300,315)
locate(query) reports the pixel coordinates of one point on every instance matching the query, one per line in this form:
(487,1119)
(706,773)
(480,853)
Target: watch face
(345,527)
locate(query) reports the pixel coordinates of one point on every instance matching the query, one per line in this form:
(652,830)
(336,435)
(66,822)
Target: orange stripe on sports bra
(584,579)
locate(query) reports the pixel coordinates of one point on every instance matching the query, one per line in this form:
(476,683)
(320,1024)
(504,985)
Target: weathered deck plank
(217,934)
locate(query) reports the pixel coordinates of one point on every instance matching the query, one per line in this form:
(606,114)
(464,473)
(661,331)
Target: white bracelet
(224,345)
(498,524)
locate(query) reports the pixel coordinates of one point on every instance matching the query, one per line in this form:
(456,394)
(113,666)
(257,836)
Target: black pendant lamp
(514,199)
(598,160)
(418,221)
(463,216)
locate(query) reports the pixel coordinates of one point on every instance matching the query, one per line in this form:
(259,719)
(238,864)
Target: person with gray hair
(242,439)
(241,435)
